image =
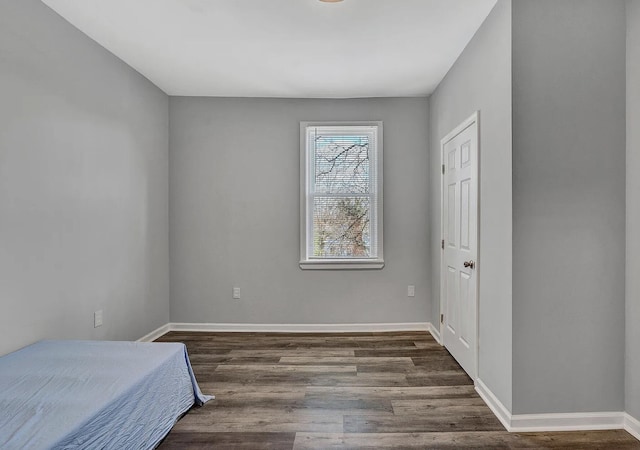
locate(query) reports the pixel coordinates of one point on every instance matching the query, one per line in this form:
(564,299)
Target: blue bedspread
(94,394)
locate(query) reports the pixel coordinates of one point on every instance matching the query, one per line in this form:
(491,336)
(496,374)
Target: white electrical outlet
(236,292)
(411,291)
(97,319)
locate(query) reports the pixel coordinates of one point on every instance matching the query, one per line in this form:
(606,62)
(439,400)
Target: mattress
(94,394)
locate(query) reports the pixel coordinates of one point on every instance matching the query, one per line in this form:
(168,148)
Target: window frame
(306,212)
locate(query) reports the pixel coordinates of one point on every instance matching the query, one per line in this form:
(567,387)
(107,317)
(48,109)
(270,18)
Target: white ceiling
(283,48)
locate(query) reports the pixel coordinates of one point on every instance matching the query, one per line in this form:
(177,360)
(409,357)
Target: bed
(94,394)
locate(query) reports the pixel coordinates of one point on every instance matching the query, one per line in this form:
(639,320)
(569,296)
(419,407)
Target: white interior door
(459,279)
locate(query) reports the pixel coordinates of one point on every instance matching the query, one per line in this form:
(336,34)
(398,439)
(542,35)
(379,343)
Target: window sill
(355,264)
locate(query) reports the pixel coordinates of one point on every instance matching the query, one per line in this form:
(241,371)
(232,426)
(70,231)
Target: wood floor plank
(229,440)
(425,343)
(374,441)
(287,368)
(484,421)
(291,399)
(362,379)
(295,352)
(486,440)
(444,378)
(575,440)
(386,368)
(400,351)
(347,390)
(346,360)
(294,410)
(228,359)
(236,395)
(312,379)
(413,392)
(437,405)
(261,422)
(436,364)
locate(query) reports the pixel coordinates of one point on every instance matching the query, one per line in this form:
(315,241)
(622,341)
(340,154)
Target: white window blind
(341,183)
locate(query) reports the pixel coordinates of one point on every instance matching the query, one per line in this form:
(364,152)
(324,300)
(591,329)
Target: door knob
(469,264)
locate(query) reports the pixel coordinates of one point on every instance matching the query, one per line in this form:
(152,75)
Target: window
(341,195)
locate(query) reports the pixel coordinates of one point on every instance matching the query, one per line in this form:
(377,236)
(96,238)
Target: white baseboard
(435,332)
(155,334)
(557,422)
(287,328)
(567,421)
(494,404)
(632,425)
(301,328)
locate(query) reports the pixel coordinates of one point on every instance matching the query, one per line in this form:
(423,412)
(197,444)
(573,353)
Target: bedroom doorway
(459,268)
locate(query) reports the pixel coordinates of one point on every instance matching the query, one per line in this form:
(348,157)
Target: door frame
(474,118)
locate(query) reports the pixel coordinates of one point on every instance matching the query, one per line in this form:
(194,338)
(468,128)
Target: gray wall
(632,394)
(568,205)
(481,80)
(234,216)
(83,186)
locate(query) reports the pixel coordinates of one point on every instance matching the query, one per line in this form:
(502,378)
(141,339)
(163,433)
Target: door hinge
(441,318)
(443,169)
(442,244)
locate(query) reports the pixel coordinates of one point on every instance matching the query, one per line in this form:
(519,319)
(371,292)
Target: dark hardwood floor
(365,390)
